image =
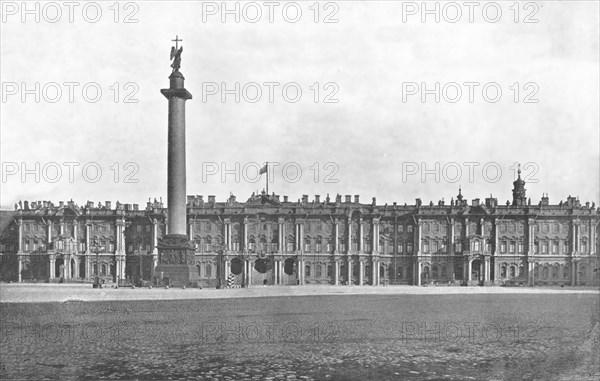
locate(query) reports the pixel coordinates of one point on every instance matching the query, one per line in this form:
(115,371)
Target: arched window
(318,271)
(512,271)
(425,246)
(208,271)
(584,245)
(545,272)
(263,245)
(399,272)
(208,244)
(555,272)
(566,272)
(583,271)
(251,244)
(330,271)
(444,272)
(434,271)
(199,268)
(521,271)
(307,245)
(103,269)
(307,270)
(503,271)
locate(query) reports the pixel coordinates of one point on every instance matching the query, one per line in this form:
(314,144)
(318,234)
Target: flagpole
(267,167)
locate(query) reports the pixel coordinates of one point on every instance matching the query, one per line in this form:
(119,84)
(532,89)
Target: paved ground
(43,292)
(502,334)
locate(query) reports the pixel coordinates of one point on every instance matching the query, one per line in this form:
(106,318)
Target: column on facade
(88,229)
(20,238)
(531,237)
(574,273)
(418,239)
(361,234)
(336,235)
(19,266)
(374,272)
(336,273)
(52,264)
(49,234)
(281,236)
(530,281)
(361,270)
(593,237)
(245,233)
(227,269)
(76,235)
(154,245)
(487,270)
(349,271)
(451,249)
(418,272)
(191,230)
(280,272)
(375,246)
(249,274)
(470,273)
(349,248)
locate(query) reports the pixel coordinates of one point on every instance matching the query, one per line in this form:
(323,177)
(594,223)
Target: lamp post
(97,249)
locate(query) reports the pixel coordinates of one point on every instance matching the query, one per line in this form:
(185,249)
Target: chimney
(232,199)
(338,199)
(136,207)
(211,199)
(190,200)
(276,198)
(107,203)
(491,202)
(317,198)
(285,198)
(356,199)
(304,198)
(348,198)
(475,202)
(418,202)
(200,199)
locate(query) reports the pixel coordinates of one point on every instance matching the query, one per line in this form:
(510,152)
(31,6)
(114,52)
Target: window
(307,245)
(503,247)
(512,271)
(307,270)
(329,247)
(401,229)
(367,247)
(409,229)
(566,272)
(342,247)
(476,245)
(520,247)
(434,247)
(511,247)
(251,244)
(555,272)
(318,271)
(444,247)
(426,246)
(444,272)
(503,272)
(544,247)
(139,228)
(409,247)
(400,248)
(208,271)
(208,244)
(584,245)
(554,247)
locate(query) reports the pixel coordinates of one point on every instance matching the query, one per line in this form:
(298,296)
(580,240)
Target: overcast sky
(373,142)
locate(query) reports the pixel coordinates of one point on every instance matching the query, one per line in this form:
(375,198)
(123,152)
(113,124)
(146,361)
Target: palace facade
(270,240)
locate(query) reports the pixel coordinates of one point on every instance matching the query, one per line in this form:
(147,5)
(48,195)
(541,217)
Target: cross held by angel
(176,54)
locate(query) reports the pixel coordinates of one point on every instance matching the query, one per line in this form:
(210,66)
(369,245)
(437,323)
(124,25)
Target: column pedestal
(176,260)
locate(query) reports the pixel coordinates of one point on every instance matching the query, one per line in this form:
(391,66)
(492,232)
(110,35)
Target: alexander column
(175,250)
